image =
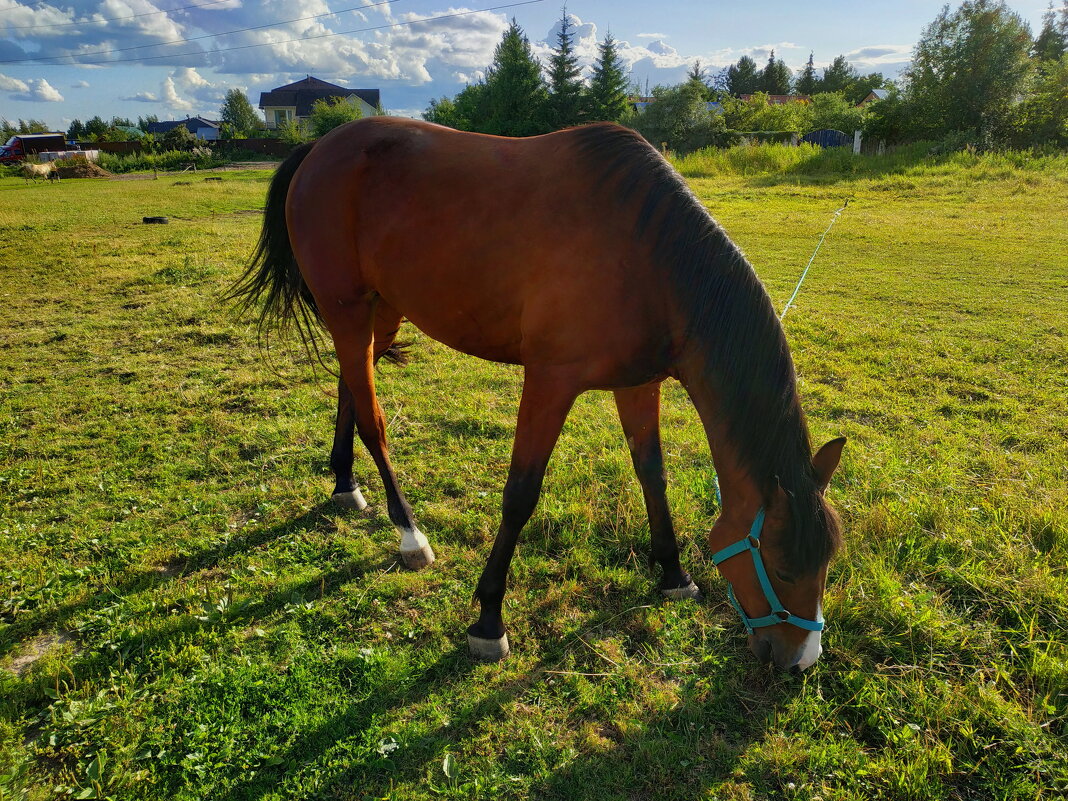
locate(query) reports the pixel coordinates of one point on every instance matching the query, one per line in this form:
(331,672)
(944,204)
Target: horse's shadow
(677,751)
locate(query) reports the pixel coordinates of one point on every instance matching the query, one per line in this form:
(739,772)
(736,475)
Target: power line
(283,41)
(203,36)
(107,19)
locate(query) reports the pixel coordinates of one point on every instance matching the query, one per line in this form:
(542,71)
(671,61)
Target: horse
(583,257)
(31,172)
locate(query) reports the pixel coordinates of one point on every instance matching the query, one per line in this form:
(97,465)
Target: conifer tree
(807,82)
(516,97)
(1050,43)
(743,78)
(775,77)
(566,88)
(608,88)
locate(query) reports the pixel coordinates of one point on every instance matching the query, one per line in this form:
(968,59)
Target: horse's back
(503,248)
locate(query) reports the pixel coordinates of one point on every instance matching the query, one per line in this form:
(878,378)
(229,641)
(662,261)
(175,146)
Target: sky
(67,59)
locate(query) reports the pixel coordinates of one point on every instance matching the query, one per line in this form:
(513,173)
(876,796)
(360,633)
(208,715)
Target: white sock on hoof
(415,550)
(350,500)
(488,650)
(691,590)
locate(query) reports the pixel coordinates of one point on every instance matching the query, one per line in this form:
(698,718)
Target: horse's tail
(273,277)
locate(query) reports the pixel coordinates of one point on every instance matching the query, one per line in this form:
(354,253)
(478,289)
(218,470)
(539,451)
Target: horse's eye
(784,577)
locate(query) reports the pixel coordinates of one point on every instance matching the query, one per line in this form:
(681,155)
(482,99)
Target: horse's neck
(741,493)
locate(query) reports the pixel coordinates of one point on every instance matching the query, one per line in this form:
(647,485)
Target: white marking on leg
(350,500)
(812,648)
(412,539)
(415,550)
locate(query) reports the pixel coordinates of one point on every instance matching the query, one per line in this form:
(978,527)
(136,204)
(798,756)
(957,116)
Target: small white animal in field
(31,172)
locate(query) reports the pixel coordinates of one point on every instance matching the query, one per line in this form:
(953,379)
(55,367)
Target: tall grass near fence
(840,162)
(168,160)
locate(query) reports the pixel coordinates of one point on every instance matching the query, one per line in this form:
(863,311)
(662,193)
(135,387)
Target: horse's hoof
(419,558)
(488,650)
(350,500)
(691,590)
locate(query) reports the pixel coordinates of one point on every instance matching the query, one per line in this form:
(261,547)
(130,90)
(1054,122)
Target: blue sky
(411,63)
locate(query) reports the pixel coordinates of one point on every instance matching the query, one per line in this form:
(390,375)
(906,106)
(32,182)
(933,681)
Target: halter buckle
(754,543)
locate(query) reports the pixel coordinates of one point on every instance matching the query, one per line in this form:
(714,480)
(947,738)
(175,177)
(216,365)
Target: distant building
(294,101)
(200,127)
(873,95)
(640,104)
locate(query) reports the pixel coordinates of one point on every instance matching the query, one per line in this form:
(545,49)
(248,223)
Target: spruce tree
(697,77)
(743,78)
(807,82)
(566,89)
(516,97)
(608,88)
(1050,43)
(775,77)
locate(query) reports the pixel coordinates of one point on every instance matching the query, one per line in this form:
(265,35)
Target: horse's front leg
(542,411)
(639,412)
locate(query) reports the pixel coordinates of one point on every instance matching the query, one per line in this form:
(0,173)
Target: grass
(184,614)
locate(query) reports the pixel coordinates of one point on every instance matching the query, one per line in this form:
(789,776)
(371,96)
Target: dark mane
(732,320)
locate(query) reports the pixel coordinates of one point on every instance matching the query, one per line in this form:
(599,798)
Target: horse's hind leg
(346,492)
(639,412)
(353,333)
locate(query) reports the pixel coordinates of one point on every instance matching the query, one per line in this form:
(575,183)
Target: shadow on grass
(59,618)
(678,751)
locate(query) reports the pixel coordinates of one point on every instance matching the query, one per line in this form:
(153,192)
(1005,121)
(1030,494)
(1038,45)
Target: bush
(329,114)
(680,119)
(202,157)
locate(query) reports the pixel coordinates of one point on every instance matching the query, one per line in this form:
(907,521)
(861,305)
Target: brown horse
(582,256)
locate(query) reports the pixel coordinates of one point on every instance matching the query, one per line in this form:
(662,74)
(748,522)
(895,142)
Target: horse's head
(778,570)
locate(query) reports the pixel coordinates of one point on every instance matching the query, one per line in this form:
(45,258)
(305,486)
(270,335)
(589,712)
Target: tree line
(977,78)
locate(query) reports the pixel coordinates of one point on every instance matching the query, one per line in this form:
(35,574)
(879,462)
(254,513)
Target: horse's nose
(761,648)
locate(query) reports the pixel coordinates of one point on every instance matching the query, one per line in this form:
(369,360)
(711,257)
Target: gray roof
(194,124)
(303,94)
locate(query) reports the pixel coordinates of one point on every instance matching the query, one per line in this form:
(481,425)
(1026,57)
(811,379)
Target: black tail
(273,276)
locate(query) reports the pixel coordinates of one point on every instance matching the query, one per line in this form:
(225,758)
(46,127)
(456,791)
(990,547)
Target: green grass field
(185,615)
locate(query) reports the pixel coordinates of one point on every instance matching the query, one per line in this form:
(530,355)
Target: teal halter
(778,612)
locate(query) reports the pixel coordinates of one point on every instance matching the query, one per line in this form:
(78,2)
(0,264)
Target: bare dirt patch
(35,649)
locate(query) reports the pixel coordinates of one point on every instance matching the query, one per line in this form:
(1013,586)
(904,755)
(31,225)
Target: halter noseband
(778,614)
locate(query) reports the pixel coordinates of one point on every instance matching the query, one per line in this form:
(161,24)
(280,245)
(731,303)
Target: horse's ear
(826,460)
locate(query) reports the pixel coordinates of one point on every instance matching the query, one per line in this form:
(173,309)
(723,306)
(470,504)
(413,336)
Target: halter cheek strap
(779,614)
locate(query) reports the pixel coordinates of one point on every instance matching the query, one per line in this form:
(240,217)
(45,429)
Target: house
(640,104)
(780,100)
(200,127)
(294,101)
(873,95)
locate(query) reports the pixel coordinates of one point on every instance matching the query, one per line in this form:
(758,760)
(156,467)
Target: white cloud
(171,97)
(9,84)
(80,85)
(142,97)
(38,90)
(880,57)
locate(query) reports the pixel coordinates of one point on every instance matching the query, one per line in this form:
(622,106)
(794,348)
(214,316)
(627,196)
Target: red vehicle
(20,146)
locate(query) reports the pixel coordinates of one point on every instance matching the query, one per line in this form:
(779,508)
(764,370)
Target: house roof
(194,124)
(303,93)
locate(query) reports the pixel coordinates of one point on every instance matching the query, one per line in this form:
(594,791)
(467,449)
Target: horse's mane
(732,321)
